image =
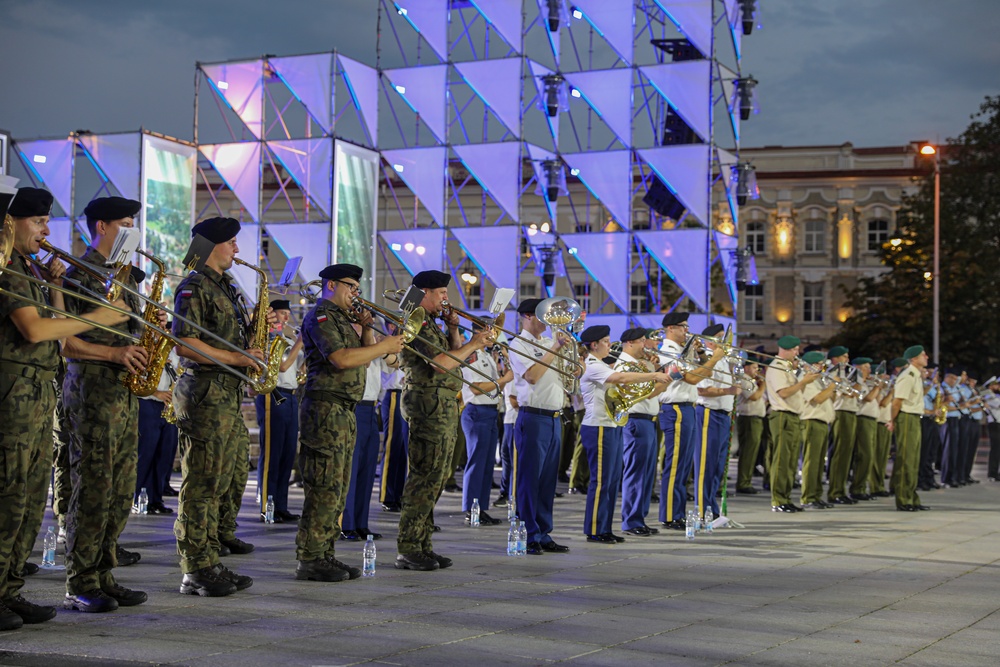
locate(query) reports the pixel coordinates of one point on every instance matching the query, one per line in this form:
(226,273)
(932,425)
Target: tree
(894,310)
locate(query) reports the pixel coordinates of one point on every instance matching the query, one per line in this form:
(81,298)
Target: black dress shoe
(786,507)
(841,500)
(442,561)
(29,569)
(126,557)
(391,507)
(421,562)
(652,531)
(639,531)
(817,505)
(159,508)
(617,538)
(655,498)
(240,581)
(350,535)
(796,508)
(486,520)
(554,548)
(690,497)
(287,516)
(921,507)
(94,601)
(275,519)
(861,496)
(237,546)
(747,490)
(501,501)
(363,534)
(125,597)
(602,539)
(320,570)
(29,611)
(170,492)
(535,548)
(905,508)
(674,525)
(578,490)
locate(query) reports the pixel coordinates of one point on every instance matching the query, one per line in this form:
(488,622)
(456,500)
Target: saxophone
(940,409)
(168,413)
(157,345)
(266,379)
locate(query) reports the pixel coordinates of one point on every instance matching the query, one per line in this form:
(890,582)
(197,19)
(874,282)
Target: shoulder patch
(185,293)
(321,318)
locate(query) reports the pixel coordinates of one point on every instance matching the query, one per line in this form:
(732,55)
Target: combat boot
(442,561)
(417,561)
(9,620)
(353,572)
(29,611)
(126,597)
(237,546)
(241,582)
(94,601)
(320,570)
(207,583)
(126,557)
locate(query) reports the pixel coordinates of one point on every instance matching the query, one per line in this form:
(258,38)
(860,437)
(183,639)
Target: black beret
(217,230)
(112,208)
(635,333)
(138,275)
(595,333)
(673,319)
(528,306)
(30,202)
(338,271)
(280,304)
(713,330)
(950,371)
(431,279)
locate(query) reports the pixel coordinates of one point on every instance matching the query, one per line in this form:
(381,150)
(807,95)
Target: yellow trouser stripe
(600,472)
(513,474)
(388,444)
(673,467)
(267,453)
(706,415)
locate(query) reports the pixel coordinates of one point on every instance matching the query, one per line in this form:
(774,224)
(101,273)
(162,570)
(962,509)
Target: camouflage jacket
(325,330)
(210,300)
(419,373)
(78,306)
(13,346)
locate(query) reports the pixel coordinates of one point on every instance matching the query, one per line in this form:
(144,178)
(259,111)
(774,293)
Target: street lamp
(928,149)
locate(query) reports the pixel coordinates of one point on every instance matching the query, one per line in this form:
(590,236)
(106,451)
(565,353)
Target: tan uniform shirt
(780,376)
(910,388)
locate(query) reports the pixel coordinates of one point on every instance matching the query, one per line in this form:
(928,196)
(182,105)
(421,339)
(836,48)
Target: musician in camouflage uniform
(102,417)
(29,360)
(430,404)
(207,403)
(336,359)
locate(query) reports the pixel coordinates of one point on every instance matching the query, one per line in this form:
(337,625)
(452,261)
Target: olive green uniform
(102,418)
(327,429)
(430,405)
(207,403)
(845,427)
(910,389)
(27,401)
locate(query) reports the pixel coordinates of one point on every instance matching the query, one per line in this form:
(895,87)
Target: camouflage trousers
(102,417)
(62,485)
(232,498)
(26,407)
(211,434)
(327,434)
(433,419)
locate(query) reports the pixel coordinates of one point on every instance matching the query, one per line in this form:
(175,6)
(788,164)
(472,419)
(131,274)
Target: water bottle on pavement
(269,510)
(690,527)
(522,539)
(474,513)
(511,510)
(49,549)
(368,569)
(143,502)
(512,538)
(708,520)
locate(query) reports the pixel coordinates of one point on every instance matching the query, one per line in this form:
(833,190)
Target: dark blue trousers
(479,423)
(710,456)
(363,465)
(680,438)
(506,459)
(284,440)
(603,445)
(639,467)
(536,460)
(950,457)
(157,447)
(395,460)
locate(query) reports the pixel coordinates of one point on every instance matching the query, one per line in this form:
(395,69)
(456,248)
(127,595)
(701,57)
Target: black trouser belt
(555,414)
(26,371)
(866,417)
(95,369)
(329,396)
(639,415)
(224,378)
(685,404)
(366,404)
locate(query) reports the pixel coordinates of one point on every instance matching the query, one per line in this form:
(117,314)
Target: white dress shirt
(647,406)
(547,393)
(510,416)
(483,362)
(173,359)
(747,407)
(592,384)
(288,379)
(719,380)
(678,391)
(373,381)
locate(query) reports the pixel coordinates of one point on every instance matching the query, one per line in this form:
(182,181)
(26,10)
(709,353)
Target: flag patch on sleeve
(321,318)
(186,293)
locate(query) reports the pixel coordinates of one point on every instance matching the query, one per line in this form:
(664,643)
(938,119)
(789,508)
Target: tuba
(266,379)
(618,399)
(157,346)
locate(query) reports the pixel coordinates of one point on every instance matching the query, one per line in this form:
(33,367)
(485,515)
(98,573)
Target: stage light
(928,276)
(401,10)
(395,247)
(572,251)
(927,150)
(408,247)
(744,178)
(400,89)
(554,92)
(744,264)
(577,14)
(545,227)
(40,159)
(421,250)
(556,13)
(751,15)
(549,268)
(574,92)
(574,172)
(222,85)
(745,97)
(552,181)
(398,168)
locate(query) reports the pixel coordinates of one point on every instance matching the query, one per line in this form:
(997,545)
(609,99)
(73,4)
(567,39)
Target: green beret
(788,342)
(813,357)
(913,351)
(836,351)
(861,360)
(899,362)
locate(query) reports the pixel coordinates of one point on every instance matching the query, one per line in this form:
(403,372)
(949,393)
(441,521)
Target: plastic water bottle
(269,510)
(49,549)
(708,520)
(522,539)
(368,570)
(512,537)
(474,513)
(690,527)
(143,502)
(511,510)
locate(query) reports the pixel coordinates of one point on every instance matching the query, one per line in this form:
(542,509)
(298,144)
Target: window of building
(581,292)
(815,236)
(878,234)
(639,303)
(529,289)
(474,294)
(753,303)
(755,236)
(812,303)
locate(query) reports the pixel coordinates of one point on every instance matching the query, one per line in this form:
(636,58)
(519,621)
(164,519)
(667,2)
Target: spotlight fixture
(555,12)
(554,180)
(744,180)
(549,256)
(745,96)
(554,92)
(744,268)
(751,15)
